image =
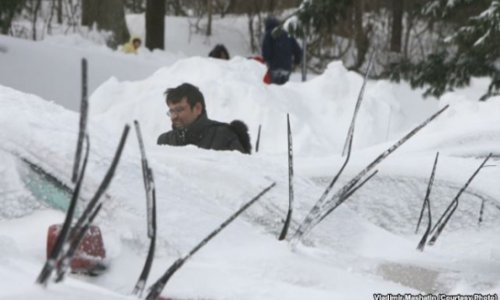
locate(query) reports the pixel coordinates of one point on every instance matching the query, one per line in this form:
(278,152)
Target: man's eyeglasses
(175,110)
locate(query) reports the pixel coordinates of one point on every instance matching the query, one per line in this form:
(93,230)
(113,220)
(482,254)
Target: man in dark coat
(280,51)
(191,126)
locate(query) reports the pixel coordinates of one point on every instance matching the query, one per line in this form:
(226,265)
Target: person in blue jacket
(280,51)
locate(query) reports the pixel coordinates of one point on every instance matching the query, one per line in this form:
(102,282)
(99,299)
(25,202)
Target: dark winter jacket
(280,51)
(206,134)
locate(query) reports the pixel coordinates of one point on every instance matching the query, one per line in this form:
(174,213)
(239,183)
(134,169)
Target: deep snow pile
(189,206)
(366,246)
(320,109)
(48,68)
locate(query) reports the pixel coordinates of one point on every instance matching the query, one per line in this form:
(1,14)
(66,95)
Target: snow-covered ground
(50,68)
(367,246)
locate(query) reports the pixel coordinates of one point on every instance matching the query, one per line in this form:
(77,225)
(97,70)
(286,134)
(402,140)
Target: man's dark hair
(191,92)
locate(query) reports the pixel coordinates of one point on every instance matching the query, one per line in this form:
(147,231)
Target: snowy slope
(366,246)
(42,67)
(189,207)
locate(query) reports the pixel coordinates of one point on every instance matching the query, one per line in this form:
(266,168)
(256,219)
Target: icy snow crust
(366,246)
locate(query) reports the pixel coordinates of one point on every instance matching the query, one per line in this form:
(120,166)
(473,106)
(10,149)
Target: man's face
(182,115)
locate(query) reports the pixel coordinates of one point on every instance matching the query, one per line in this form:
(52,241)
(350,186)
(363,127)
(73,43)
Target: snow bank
(366,245)
(189,207)
(320,109)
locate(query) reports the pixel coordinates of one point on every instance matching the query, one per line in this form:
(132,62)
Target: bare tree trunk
(253,47)
(35,17)
(155,24)
(72,16)
(253,9)
(53,9)
(108,15)
(209,11)
(305,35)
(59,12)
(226,7)
(409,27)
(178,11)
(360,36)
(260,32)
(397,25)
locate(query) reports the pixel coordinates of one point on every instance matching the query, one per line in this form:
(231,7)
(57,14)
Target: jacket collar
(193,133)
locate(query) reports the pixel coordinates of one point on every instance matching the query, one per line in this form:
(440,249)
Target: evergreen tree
(317,21)
(472,51)
(8,9)
(322,15)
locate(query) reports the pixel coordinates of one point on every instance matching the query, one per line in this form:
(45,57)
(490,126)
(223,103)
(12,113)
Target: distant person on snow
(132,45)
(191,126)
(280,51)
(219,51)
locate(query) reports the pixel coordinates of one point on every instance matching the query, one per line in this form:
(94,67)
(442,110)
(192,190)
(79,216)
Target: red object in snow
(267,76)
(89,255)
(259,58)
